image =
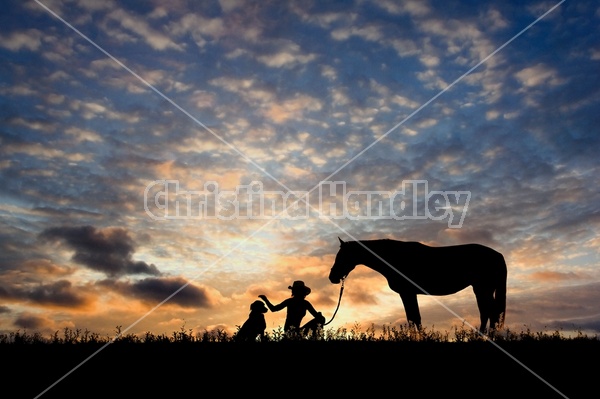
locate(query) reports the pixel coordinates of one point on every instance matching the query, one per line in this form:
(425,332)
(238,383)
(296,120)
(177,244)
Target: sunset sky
(107,105)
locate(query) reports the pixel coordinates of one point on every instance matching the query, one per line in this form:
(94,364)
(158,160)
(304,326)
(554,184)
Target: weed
(392,333)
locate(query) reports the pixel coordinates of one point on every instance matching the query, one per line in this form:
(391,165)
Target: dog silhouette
(255,325)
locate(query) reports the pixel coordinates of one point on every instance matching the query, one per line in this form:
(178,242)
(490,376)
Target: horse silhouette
(412,268)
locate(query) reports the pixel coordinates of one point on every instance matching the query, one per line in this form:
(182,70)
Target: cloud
(155,290)
(467,235)
(415,8)
(40,151)
(35,269)
(286,54)
(60,293)
(30,322)
(139,26)
(80,135)
(539,75)
(106,250)
(551,276)
(199,28)
(228,5)
(299,88)
(369,33)
(292,109)
(363,297)
(559,307)
(89,110)
(584,325)
(30,39)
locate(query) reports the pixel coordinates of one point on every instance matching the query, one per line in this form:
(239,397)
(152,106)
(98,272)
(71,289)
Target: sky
(152,156)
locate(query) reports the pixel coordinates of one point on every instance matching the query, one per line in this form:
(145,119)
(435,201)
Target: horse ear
(341,242)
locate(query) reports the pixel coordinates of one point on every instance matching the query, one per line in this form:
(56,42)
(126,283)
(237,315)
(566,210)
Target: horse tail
(500,292)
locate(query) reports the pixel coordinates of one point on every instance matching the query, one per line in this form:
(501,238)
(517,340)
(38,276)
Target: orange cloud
(550,276)
(45,267)
(34,322)
(292,109)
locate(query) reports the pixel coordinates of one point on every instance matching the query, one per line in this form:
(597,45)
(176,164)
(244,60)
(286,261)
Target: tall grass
(387,333)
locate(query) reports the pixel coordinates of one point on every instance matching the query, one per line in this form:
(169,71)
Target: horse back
(447,269)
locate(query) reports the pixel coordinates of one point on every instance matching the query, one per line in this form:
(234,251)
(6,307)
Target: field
(397,362)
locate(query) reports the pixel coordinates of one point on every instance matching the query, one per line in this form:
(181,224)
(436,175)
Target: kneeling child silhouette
(297,306)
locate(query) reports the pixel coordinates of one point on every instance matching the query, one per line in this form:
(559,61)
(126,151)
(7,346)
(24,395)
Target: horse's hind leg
(485,303)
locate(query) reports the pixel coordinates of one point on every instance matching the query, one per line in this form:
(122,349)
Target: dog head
(258,306)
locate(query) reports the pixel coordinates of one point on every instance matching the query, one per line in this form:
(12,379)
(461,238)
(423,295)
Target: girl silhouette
(297,306)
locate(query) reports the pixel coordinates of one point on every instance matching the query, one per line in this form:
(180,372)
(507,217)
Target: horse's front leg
(411,307)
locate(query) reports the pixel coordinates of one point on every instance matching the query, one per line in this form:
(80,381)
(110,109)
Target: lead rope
(339,301)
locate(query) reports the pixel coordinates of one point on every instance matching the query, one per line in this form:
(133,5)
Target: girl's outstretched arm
(273,308)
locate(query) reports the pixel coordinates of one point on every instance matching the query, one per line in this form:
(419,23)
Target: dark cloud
(59,293)
(567,307)
(155,290)
(4,309)
(106,250)
(363,298)
(17,245)
(5,293)
(584,325)
(29,322)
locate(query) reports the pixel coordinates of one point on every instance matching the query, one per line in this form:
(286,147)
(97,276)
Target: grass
(334,362)
(401,333)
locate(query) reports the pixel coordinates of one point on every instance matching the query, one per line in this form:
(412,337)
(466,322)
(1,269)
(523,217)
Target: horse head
(342,265)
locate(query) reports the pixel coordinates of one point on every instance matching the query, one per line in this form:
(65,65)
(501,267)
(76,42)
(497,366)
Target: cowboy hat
(300,287)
